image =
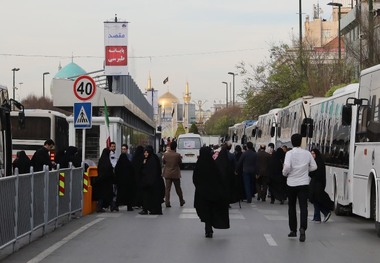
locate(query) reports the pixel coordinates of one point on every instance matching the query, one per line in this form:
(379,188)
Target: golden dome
(166,100)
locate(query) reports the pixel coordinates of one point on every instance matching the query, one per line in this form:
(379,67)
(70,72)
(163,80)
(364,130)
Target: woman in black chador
(153,187)
(22,162)
(277,182)
(317,195)
(210,199)
(103,191)
(137,162)
(125,180)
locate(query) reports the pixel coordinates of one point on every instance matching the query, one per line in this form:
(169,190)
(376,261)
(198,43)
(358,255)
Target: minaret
(149,86)
(186,99)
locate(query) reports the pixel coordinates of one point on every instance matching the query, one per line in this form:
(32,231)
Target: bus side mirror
(346,115)
(354,101)
(21,119)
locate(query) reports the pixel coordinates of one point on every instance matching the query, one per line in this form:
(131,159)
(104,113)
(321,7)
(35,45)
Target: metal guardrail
(30,205)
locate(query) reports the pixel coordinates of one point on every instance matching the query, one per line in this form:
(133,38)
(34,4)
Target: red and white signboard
(116,47)
(84,88)
(116,56)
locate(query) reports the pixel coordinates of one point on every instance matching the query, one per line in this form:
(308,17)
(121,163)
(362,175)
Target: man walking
(247,164)
(297,165)
(172,173)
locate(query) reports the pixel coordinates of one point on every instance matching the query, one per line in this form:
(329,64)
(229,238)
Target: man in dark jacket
(42,156)
(247,163)
(263,160)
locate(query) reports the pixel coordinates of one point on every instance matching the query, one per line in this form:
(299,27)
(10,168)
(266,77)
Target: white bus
(188,145)
(95,137)
(237,133)
(334,136)
(291,118)
(266,128)
(366,150)
(40,125)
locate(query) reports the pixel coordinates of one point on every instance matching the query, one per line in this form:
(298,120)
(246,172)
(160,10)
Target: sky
(197,41)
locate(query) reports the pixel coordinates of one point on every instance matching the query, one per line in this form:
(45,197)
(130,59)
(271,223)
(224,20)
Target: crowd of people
(42,157)
(144,180)
(282,174)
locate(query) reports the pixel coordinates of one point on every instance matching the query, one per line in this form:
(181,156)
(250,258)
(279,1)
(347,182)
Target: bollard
(89,206)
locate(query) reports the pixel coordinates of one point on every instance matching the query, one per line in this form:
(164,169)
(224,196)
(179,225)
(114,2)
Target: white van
(188,145)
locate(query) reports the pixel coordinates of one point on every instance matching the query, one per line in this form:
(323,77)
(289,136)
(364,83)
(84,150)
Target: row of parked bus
(40,125)
(345,128)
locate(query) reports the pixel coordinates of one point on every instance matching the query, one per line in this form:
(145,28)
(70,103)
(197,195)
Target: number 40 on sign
(84,88)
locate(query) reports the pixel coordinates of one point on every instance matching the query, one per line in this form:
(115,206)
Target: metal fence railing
(31,206)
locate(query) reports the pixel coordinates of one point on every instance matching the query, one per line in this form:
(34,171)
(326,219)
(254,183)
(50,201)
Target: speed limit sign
(84,87)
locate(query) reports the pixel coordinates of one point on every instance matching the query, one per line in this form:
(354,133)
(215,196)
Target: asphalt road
(258,234)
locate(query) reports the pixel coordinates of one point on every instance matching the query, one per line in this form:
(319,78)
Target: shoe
(182,203)
(302,235)
(316,221)
(209,235)
(130,209)
(143,212)
(272,202)
(281,202)
(292,234)
(168,205)
(100,210)
(327,217)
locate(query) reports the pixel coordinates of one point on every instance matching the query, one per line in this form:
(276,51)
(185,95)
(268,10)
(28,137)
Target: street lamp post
(43,83)
(14,81)
(339,5)
(233,87)
(226,93)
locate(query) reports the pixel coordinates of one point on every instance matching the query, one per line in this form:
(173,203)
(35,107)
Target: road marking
(192,213)
(268,212)
(104,215)
(270,240)
(66,239)
(276,218)
(188,216)
(146,216)
(188,210)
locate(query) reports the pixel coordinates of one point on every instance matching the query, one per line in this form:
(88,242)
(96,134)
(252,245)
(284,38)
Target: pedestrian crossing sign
(82,115)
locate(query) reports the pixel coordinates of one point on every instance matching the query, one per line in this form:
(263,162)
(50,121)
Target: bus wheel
(373,201)
(338,207)
(339,211)
(377,226)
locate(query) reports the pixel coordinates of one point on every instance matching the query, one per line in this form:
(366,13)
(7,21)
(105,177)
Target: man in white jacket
(297,165)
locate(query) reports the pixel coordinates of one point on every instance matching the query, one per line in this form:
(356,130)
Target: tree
(222,119)
(45,103)
(180,130)
(193,128)
(288,74)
